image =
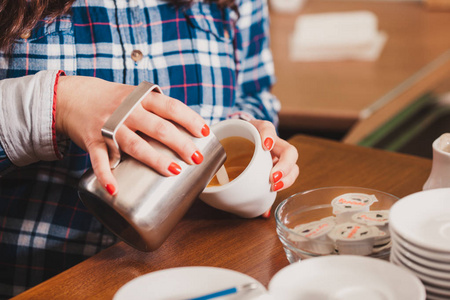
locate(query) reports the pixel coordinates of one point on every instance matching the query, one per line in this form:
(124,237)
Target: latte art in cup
(239,154)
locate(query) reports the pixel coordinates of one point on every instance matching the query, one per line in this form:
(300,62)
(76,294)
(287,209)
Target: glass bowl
(335,221)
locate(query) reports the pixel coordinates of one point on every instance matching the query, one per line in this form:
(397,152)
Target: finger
(267,132)
(100,164)
(287,180)
(173,109)
(166,133)
(287,157)
(286,166)
(266,215)
(281,184)
(134,145)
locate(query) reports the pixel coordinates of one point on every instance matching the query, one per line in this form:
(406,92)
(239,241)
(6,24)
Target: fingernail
(197,157)
(205,130)
(266,214)
(278,185)
(268,143)
(174,168)
(277,176)
(110,188)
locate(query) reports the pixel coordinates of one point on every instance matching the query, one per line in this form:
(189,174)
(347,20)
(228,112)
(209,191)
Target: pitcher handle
(119,116)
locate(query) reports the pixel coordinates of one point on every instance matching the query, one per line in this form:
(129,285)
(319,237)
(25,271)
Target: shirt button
(25,35)
(136,55)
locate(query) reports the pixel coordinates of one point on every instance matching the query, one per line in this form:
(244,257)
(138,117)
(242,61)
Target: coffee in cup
(239,154)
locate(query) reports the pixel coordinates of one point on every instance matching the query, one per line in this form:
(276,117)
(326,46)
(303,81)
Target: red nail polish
(266,214)
(277,176)
(197,157)
(205,130)
(174,168)
(268,143)
(111,189)
(278,185)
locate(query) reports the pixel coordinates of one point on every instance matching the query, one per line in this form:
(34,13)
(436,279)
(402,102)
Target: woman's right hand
(84,104)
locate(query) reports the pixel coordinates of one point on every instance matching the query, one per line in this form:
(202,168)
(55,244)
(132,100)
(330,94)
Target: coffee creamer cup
(355,238)
(344,206)
(378,218)
(313,236)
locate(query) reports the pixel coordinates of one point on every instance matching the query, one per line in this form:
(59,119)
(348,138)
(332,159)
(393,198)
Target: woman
(66,66)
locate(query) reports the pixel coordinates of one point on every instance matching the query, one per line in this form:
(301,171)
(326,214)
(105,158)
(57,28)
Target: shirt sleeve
(5,163)
(27,110)
(255,68)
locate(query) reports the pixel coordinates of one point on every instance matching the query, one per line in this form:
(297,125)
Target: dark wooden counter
(208,237)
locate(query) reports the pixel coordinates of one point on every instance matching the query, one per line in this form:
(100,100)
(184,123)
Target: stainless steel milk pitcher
(148,205)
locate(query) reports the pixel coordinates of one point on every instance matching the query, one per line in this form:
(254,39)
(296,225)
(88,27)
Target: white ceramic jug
(440,171)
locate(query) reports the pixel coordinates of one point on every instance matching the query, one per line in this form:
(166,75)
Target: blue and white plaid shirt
(218,64)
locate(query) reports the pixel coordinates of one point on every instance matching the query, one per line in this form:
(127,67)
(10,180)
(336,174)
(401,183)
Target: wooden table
(333,96)
(208,237)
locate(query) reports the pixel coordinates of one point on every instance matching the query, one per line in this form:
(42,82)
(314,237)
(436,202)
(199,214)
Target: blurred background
(368,72)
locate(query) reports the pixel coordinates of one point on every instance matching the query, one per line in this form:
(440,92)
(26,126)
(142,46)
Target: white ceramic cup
(248,195)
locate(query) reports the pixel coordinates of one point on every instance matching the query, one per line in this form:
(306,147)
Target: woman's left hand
(284,155)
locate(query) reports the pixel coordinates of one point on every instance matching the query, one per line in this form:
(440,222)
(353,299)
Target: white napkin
(337,36)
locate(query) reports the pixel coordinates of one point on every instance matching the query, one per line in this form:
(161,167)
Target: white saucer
(444,294)
(431,296)
(423,218)
(346,277)
(186,282)
(436,265)
(438,292)
(440,257)
(427,280)
(442,275)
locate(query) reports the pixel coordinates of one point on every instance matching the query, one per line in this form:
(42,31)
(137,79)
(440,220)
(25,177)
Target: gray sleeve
(26,117)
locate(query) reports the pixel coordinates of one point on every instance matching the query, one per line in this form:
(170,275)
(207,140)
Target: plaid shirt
(218,64)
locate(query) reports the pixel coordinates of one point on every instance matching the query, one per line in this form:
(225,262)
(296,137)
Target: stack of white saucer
(420,234)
